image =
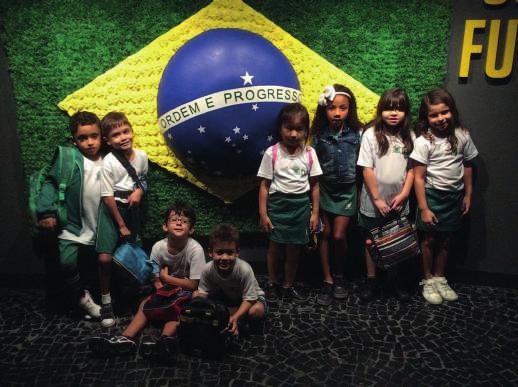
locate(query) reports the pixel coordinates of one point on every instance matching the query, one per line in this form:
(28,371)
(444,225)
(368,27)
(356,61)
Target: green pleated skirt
(289,215)
(447,207)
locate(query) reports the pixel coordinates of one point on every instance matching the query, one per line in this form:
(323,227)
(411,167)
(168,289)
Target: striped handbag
(393,243)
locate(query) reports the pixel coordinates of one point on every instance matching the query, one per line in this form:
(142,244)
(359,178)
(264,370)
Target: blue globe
(219,98)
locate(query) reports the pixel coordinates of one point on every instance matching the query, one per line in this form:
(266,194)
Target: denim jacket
(337,155)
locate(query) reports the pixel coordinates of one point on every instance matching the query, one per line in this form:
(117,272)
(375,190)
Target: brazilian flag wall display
(81,55)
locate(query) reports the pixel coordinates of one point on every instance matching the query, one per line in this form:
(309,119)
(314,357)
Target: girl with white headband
(336,139)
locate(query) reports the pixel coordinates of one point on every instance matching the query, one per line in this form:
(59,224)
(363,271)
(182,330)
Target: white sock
(106,298)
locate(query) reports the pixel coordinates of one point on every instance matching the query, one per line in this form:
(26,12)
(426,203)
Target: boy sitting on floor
(177,260)
(231,280)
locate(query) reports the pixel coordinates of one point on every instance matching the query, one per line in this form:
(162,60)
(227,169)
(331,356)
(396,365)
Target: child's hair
(393,98)
(288,115)
(181,208)
(434,97)
(321,123)
(82,118)
(113,120)
(223,233)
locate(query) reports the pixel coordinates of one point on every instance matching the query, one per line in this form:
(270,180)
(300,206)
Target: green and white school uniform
(444,184)
(289,204)
(390,171)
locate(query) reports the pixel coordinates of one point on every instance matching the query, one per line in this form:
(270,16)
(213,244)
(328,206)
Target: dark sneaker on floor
(338,289)
(325,296)
(116,345)
(272,292)
(369,289)
(164,349)
(107,316)
(292,294)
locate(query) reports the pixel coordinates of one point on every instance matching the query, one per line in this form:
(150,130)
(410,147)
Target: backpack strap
(310,158)
(127,165)
(274,156)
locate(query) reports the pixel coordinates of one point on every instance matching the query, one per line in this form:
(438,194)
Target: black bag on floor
(200,333)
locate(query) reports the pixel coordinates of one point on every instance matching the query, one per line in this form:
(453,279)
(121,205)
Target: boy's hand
(266,223)
(135,197)
(124,232)
(49,223)
(164,273)
(157,284)
(382,206)
(398,202)
(466,205)
(232,326)
(429,218)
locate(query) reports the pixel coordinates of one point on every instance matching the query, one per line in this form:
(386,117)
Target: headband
(329,94)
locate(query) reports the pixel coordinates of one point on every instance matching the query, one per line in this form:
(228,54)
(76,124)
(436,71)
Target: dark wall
(489,108)
(16,254)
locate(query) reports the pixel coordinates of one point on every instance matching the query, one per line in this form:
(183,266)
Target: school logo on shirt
(210,117)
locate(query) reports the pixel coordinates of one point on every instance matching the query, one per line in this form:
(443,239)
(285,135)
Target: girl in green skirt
(288,198)
(443,186)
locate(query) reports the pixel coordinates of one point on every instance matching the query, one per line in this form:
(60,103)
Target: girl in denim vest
(336,139)
(387,178)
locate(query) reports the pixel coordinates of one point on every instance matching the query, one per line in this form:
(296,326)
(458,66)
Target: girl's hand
(49,223)
(466,205)
(313,223)
(266,223)
(398,202)
(124,232)
(382,206)
(429,218)
(135,197)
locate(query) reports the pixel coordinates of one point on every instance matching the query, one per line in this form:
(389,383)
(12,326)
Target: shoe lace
(443,286)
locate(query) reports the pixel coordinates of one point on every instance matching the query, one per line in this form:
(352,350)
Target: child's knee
(257,311)
(105,259)
(339,237)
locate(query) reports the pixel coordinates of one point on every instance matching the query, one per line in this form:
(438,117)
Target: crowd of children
(303,190)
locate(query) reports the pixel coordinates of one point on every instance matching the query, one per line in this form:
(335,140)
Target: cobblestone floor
(473,341)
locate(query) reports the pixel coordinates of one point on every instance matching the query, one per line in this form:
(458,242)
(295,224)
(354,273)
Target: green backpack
(65,158)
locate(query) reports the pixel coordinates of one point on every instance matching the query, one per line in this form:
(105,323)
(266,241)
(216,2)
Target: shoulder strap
(274,156)
(66,159)
(127,165)
(310,158)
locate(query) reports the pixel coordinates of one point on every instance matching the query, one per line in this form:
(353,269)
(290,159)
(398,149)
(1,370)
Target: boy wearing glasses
(177,260)
(231,280)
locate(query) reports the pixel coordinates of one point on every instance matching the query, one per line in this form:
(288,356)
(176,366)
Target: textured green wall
(55,47)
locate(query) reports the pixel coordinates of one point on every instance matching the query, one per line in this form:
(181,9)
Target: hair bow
(328,95)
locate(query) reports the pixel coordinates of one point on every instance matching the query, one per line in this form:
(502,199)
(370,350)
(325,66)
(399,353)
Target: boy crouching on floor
(231,280)
(177,261)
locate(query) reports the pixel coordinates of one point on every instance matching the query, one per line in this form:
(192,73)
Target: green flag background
(55,47)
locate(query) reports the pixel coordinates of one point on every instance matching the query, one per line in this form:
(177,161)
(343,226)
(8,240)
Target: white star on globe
(247,78)
(227,139)
(236,129)
(245,137)
(255,107)
(270,138)
(262,152)
(201,129)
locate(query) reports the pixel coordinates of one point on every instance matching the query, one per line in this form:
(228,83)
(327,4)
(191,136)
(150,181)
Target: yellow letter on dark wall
(468,47)
(509,49)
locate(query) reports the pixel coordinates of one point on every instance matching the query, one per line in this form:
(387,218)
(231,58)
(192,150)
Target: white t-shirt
(240,285)
(188,263)
(444,170)
(390,170)
(91,197)
(116,178)
(291,171)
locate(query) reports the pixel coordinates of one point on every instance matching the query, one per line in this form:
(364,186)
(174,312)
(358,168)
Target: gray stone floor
(473,341)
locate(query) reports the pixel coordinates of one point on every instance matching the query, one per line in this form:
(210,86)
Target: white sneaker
(89,306)
(430,293)
(446,292)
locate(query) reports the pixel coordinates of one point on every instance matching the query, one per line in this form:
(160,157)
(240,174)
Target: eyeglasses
(176,219)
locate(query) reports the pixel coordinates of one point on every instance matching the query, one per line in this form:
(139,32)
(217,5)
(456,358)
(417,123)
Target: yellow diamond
(132,85)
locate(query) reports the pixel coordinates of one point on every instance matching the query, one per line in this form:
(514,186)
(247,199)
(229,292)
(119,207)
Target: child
(230,279)
(387,180)
(177,260)
(82,198)
(288,172)
(336,139)
(121,196)
(443,186)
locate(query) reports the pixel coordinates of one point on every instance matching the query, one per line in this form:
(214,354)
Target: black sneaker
(164,349)
(369,289)
(325,296)
(116,345)
(107,315)
(272,292)
(291,294)
(338,289)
